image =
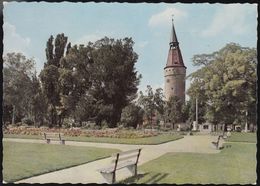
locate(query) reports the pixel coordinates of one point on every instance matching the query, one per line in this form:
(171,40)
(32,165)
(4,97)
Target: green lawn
(22,160)
(242,137)
(137,141)
(235,165)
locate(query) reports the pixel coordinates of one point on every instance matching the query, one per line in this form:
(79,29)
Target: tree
(131,116)
(113,77)
(226,83)
(174,110)
(49,76)
(74,79)
(38,102)
(152,103)
(101,74)
(17,73)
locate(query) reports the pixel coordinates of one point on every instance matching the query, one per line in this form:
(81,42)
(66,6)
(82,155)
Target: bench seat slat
(125,158)
(127,152)
(119,166)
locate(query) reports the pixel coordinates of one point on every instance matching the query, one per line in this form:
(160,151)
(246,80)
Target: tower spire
(173,39)
(174,55)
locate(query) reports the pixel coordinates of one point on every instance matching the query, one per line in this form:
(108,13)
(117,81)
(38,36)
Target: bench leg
(114,177)
(62,142)
(109,177)
(48,141)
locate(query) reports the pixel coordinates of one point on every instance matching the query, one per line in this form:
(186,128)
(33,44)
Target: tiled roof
(174,56)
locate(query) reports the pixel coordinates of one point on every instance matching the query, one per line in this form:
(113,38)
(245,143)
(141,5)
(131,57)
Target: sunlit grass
(22,160)
(242,137)
(234,165)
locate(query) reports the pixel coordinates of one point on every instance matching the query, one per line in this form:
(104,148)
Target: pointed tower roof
(173,35)
(174,55)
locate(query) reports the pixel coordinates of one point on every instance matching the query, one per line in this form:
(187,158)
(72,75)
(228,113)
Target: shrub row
(74,132)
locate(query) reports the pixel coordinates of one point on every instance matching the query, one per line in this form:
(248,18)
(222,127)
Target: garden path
(87,173)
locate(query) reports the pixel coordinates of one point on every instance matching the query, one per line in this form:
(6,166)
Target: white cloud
(164,17)
(13,42)
(230,18)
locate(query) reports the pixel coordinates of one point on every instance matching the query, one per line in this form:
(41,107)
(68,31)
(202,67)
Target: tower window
(168,81)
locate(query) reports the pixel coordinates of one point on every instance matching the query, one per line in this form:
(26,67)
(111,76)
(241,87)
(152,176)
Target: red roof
(174,56)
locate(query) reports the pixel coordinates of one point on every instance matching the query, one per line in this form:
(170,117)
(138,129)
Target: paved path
(87,173)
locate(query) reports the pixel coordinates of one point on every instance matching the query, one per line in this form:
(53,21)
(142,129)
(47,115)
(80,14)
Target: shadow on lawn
(152,178)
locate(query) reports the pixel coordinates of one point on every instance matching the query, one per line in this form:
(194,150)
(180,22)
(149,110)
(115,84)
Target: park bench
(216,143)
(127,159)
(48,136)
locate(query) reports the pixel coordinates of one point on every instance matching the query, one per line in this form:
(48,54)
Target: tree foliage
(17,81)
(174,110)
(225,85)
(132,115)
(92,82)
(114,79)
(50,74)
(152,103)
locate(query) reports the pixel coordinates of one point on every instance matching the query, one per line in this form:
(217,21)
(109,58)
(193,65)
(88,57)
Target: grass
(136,141)
(235,165)
(242,137)
(23,160)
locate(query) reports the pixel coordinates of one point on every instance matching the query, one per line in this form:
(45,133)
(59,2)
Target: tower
(175,70)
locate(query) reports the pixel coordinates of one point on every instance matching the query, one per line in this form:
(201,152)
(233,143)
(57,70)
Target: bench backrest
(121,157)
(51,135)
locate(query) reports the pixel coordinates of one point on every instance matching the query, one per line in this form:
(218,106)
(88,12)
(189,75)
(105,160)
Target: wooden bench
(127,159)
(216,143)
(54,136)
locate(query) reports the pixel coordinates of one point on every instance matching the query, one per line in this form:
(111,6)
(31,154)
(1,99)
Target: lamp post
(246,127)
(196,111)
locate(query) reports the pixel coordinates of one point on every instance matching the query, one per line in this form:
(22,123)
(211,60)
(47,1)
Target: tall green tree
(226,84)
(17,79)
(38,102)
(114,79)
(173,111)
(49,76)
(152,103)
(74,79)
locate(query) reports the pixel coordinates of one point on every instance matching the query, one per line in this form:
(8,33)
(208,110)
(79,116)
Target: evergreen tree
(49,76)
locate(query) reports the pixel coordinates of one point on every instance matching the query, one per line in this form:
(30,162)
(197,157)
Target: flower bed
(74,132)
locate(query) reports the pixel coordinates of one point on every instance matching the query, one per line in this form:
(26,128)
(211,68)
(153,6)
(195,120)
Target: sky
(200,28)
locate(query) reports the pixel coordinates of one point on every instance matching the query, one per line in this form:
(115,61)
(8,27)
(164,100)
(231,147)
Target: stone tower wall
(174,83)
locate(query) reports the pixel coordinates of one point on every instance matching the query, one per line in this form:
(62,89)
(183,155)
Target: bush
(27,121)
(131,116)
(115,132)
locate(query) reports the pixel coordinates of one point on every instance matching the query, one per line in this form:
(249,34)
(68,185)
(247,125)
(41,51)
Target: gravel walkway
(87,173)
